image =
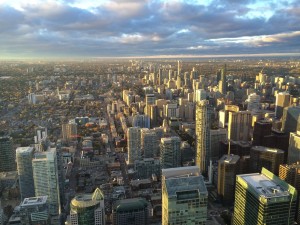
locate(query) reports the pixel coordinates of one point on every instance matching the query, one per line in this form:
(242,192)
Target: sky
(153,28)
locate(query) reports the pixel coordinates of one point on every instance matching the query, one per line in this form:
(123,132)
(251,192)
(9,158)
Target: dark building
(261,129)
(133,211)
(270,158)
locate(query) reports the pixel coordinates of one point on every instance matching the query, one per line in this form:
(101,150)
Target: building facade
(7,154)
(170,154)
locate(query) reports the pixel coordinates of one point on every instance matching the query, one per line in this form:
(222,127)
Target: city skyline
(148,28)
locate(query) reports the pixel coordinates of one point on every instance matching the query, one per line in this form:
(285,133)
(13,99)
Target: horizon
(148,28)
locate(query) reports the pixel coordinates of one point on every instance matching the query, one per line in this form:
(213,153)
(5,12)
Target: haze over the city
(143,28)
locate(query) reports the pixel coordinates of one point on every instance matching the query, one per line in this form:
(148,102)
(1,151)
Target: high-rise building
(40,139)
(134,144)
(170,154)
(134,211)
(147,167)
(263,199)
(216,135)
(222,82)
(294,148)
(282,101)
(184,196)
(45,176)
(34,211)
(239,125)
(203,114)
(228,168)
(148,143)
(291,175)
(7,154)
(142,121)
(261,129)
(150,99)
(270,158)
(290,118)
(253,102)
(69,131)
(88,209)
(200,94)
(24,157)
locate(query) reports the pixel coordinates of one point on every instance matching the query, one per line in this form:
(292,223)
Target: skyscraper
(270,158)
(134,144)
(69,131)
(142,121)
(148,143)
(239,125)
(228,168)
(291,175)
(253,102)
(184,196)
(7,154)
(170,154)
(24,157)
(263,199)
(134,211)
(290,118)
(294,147)
(203,114)
(45,177)
(282,101)
(88,209)
(222,82)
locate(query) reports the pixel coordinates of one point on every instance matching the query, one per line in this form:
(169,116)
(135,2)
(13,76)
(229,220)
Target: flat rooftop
(230,159)
(24,149)
(266,149)
(265,186)
(34,201)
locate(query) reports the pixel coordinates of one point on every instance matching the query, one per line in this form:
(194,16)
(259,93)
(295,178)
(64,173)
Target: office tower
(222,82)
(253,102)
(7,154)
(218,75)
(216,135)
(134,144)
(239,125)
(45,176)
(178,82)
(200,94)
(153,115)
(160,77)
(134,211)
(294,148)
(228,168)
(184,196)
(282,101)
(171,110)
(147,167)
(179,66)
(34,211)
(170,154)
(263,199)
(203,121)
(148,143)
(291,175)
(86,209)
(142,121)
(261,129)
(290,118)
(24,157)
(40,140)
(150,99)
(69,131)
(270,158)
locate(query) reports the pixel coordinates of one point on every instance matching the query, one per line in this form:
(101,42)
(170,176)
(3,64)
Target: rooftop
(24,149)
(34,201)
(266,149)
(231,159)
(87,200)
(126,205)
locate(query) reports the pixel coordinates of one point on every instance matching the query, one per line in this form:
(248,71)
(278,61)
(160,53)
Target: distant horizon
(148,28)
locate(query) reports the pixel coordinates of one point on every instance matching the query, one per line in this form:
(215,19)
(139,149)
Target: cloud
(148,27)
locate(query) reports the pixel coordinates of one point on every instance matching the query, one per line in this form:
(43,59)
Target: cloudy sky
(87,28)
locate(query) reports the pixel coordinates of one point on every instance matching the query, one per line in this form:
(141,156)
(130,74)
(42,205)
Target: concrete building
(290,118)
(184,196)
(24,157)
(294,148)
(282,101)
(69,131)
(253,102)
(45,175)
(269,158)
(202,129)
(170,154)
(200,95)
(228,168)
(134,211)
(88,209)
(263,199)
(216,136)
(7,154)
(239,126)
(142,121)
(134,144)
